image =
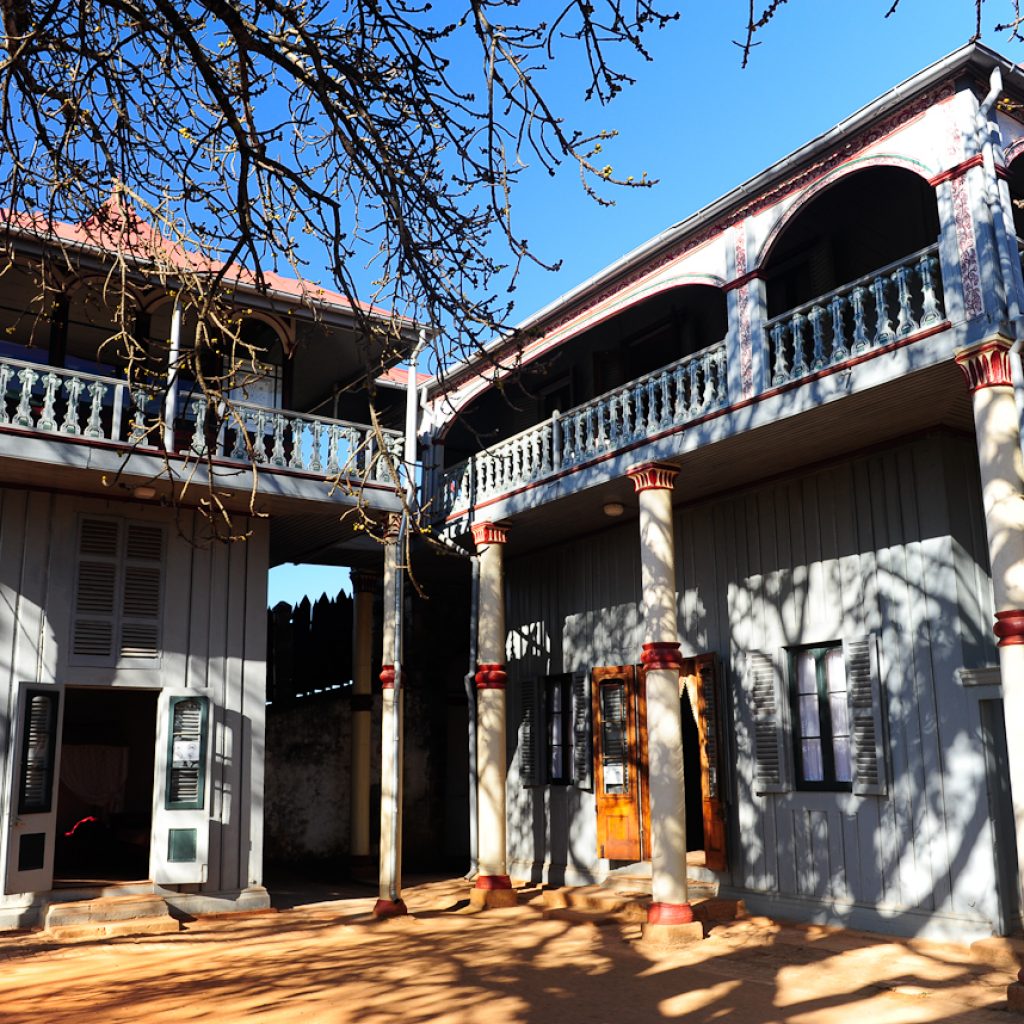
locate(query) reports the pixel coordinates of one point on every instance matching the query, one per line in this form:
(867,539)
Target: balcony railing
(674,395)
(62,403)
(876,310)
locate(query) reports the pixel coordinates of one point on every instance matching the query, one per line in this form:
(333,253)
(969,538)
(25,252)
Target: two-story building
(749,515)
(133,640)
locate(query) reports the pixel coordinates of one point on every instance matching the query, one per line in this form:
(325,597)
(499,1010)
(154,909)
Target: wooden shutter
(709,727)
(531,732)
(768,707)
(582,732)
(99,542)
(143,588)
(186,754)
(867,725)
(38,750)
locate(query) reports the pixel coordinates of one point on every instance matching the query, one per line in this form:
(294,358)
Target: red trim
(736,407)
(669,913)
(1009,628)
(653,476)
(491,676)
(492,882)
(488,533)
(387,677)
(986,365)
(739,282)
(390,908)
(661,654)
(956,172)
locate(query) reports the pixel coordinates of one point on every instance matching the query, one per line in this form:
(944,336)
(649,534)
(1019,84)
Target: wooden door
(620,763)
(702,676)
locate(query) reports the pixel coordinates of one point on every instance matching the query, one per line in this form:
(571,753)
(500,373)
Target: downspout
(173,356)
(990,129)
(470,683)
(411,406)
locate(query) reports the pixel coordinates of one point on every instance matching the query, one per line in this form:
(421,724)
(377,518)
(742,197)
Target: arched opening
(648,337)
(856,268)
(1015,180)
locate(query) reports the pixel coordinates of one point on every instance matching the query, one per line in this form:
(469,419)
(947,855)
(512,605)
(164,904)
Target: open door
(31,835)
(620,763)
(180,841)
(702,677)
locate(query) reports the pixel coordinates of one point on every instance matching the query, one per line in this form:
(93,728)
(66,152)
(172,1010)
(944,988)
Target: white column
(363,586)
(493,886)
(987,369)
(389,902)
(661,658)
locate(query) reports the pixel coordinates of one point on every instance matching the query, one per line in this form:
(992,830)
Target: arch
(1015,184)
(857,165)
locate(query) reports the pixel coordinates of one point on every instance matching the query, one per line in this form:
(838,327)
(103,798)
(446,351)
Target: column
(389,902)
(493,887)
(670,917)
(363,587)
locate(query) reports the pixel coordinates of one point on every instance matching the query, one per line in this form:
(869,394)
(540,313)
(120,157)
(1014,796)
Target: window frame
(558,686)
(828,783)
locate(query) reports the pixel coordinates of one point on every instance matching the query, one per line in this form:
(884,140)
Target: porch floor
(325,959)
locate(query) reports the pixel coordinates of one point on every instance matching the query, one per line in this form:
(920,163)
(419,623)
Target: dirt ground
(328,963)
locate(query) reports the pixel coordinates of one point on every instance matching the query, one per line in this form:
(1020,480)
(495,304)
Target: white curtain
(96,774)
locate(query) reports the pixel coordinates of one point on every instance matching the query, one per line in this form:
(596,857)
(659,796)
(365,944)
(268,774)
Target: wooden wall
(891,543)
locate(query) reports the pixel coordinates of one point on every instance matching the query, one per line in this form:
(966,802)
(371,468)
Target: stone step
(590,902)
(109,916)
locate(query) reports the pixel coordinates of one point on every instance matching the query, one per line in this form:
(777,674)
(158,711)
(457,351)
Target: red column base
(390,908)
(669,913)
(491,882)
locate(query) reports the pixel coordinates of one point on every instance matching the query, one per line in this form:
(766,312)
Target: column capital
(661,654)
(489,533)
(364,581)
(986,365)
(653,476)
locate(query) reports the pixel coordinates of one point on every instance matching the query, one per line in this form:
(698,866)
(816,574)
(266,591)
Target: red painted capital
(1009,628)
(491,676)
(489,533)
(663,654)
(387,677)
(653,476)
(986,365)
(490,882)
(669,913)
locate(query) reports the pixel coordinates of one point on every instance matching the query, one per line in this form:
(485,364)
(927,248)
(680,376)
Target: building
(752,519)
(132,692)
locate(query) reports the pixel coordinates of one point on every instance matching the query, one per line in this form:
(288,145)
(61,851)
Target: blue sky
(701,125)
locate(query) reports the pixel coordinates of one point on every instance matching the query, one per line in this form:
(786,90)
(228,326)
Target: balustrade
(890,304)
(48,400)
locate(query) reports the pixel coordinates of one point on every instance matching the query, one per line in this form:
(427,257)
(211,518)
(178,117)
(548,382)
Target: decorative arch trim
(854,166)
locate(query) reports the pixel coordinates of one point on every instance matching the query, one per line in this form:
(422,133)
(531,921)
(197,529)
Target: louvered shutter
(768,707)
(99,543)
(531,733)
(186,756)
(867,725)
(39,746)
(143,586)
(582,732)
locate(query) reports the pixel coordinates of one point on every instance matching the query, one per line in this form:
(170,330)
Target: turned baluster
(277,454)
(816,316)
(722,364)
(931,311)
(883,326)
(905,323)
(139,397)
(315,465)
(6,372)
(679,385)
(94,428)
(23,414)
(861,341)
(239,450)
(707,368)
(298,434)
(781,374)
(800,367)
(637,426)
(199,433)
(74,387)
(652,409)
(47,421)
(259,444)
(693,369)
(840,349)
(333,436)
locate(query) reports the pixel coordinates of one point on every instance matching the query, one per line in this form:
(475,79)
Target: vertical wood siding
(890,544)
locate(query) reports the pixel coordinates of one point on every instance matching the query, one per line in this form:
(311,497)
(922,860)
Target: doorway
(105,791)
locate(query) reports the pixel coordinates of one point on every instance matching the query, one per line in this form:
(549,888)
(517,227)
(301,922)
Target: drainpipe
(470,684)
(411,405)
(173,355)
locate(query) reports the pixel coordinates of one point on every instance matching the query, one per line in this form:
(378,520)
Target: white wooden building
(748,508)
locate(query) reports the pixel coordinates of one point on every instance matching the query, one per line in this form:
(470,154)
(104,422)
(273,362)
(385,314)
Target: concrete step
(109,916)
(594,902)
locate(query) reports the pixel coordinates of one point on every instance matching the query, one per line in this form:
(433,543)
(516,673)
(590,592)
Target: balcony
(897,303)
(104,411)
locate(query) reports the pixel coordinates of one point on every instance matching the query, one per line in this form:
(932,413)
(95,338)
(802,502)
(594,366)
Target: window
(555,746)
(822,742)
(558,711)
